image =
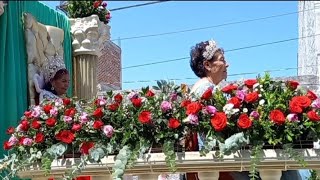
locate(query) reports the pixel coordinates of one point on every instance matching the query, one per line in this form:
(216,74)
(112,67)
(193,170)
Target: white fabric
(47,95)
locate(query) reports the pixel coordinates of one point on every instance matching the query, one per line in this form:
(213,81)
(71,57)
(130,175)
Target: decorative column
(1,7)
(89,34)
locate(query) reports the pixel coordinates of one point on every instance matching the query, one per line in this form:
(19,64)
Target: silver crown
(211,48)
(50,68)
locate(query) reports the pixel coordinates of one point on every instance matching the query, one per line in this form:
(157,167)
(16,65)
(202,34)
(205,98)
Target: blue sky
(182,15)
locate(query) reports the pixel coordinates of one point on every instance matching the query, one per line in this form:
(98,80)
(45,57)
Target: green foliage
(168,150)
(255,159)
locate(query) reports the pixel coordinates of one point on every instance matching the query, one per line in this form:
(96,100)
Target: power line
(230,50)
(136,5)
(235,74)
(214,26)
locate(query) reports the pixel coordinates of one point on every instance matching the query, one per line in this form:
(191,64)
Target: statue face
(61,84)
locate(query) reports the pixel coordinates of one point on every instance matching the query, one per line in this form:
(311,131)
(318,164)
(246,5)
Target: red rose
(277,117)
(65,136)
(207,94)
(70,112)
(298,103)
(66,101)
(235,101)
(24,125)
(292,84)
(35,124)
(219,121)
(118,98)
(302,101)
(113,107)
(311,95)
(250,82)
(7,145)
(47,108)
(97,124)
(145,117)
(85,147)
(149,93)
(96,4)
(51,122)
(185,103)
(21,140)
(39,138)
(173,123)
(10,130)
(313,116)
(294,107)
(193,108)
(229,88)
(76,127)
(98,113)
(137,102)
(28,114)
(251,97)
(244,121)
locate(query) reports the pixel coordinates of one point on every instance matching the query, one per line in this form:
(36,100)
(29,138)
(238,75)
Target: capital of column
(89,35)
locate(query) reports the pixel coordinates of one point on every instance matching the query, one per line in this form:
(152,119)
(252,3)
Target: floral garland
(257,112)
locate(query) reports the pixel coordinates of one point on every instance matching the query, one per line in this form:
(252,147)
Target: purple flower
(68,119)
(316,104)
(165,106)
(132,95)
(104,4)
(173,97)
(255,115)
(13,140)
(36,112)
(27,142)
(292,117)
(84,117)
(193,119)
(240,94)
(54,111)
(102,101)
(108,130)
(211,110)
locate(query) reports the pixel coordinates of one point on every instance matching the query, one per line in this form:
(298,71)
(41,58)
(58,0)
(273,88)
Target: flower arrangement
(80,9)
(253,113)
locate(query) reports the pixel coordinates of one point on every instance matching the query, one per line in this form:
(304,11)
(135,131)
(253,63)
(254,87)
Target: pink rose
(211,109)
(255,115)
(108,130)
(68,119)
(27,142)
(292,117)
(165,106)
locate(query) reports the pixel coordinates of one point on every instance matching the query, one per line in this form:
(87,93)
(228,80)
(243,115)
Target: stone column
(309,45)
(88,34)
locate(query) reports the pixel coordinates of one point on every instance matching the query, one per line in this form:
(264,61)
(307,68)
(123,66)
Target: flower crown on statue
(211,48)
(50,68)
